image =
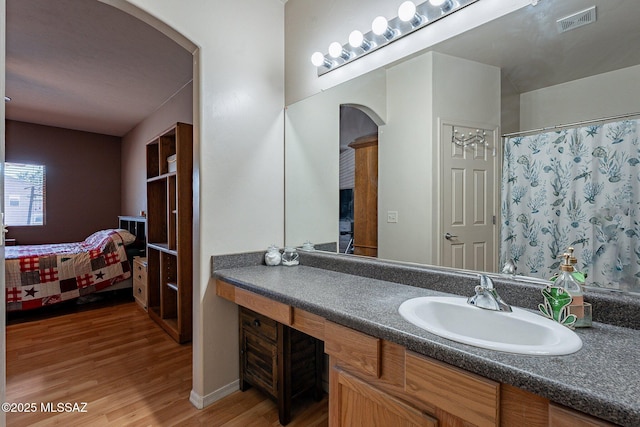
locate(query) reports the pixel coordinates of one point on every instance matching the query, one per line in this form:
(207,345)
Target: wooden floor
(127,370)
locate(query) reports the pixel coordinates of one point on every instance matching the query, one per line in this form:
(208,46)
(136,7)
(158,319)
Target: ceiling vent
(576,20)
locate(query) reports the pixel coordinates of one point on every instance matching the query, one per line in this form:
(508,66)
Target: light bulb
(318,59)
(335,50)
(407,11)
(356,38)
(445,5)
(379,25)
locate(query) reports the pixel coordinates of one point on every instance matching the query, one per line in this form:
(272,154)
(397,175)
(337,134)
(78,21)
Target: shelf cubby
(169,234)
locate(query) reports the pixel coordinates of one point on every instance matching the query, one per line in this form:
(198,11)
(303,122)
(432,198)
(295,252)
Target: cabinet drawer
(140,293)
(560,416)
(471,397)
(278,311)
(359,350)
(258,324)
(139,271)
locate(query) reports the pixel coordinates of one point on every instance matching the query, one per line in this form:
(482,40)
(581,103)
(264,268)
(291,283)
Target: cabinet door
(259,362)
(353,402)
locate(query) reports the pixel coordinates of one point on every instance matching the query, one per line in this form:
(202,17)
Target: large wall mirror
(522,72)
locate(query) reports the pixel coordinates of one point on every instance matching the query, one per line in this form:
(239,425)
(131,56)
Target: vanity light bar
(410,18)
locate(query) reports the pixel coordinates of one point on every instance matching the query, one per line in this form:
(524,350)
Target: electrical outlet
(392,216)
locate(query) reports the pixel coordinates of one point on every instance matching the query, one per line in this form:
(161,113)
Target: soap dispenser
(578,275)
(568,282)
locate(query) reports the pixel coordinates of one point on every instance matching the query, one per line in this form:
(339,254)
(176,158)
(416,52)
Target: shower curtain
(574,187)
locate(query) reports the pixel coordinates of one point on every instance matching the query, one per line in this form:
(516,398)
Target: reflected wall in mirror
(516,73)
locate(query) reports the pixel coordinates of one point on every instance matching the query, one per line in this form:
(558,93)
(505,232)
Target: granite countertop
(601,379)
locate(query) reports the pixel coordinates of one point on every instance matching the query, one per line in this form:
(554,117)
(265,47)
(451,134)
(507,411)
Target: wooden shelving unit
(169,231)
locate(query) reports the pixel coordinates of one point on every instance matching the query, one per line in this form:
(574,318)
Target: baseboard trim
(201,402)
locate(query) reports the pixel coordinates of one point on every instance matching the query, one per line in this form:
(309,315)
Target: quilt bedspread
(40,275)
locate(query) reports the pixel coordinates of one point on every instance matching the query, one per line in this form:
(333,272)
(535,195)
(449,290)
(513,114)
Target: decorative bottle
(290,256)
(272,257)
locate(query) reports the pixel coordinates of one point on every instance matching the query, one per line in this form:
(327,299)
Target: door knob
(449,236)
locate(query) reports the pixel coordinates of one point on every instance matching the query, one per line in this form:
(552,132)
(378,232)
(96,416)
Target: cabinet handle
(139,290)
(256,323)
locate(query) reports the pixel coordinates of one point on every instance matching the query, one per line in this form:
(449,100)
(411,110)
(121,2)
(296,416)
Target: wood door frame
(437,228)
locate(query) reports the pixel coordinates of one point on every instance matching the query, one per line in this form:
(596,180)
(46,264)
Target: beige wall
(82,180)
(134,189)
(603,95)
(239,162)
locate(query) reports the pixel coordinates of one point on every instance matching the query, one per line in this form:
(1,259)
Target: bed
(42,275)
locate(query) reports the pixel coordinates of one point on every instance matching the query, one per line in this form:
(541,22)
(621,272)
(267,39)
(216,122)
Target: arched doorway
(149,21)
(358,220)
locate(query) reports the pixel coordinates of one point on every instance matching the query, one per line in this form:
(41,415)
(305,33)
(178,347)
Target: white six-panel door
(469,190)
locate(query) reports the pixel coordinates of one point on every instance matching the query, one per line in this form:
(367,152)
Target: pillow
(127,238)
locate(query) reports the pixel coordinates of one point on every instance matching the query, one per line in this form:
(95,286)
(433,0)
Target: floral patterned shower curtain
(575,187)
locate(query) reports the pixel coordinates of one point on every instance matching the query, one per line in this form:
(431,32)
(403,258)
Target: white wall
(466,90)
(602,95)
(405,163)
(311,25)
(238,130)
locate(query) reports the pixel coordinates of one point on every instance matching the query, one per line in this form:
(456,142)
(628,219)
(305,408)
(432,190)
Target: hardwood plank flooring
(127,370)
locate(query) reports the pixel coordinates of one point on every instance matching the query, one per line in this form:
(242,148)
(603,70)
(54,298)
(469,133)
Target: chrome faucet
(487,297)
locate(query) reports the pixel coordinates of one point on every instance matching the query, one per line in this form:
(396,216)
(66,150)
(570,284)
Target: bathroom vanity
(385,370)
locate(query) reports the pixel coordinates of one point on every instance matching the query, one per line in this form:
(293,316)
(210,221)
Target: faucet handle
(510,268)
(486,282)
(487,297)
(483,299)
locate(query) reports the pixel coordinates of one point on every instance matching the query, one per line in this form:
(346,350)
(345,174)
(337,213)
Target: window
(24,190)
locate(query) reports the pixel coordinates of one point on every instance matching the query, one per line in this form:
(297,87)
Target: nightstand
(140,281)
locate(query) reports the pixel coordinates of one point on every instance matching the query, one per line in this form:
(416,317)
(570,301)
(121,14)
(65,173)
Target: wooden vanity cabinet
(374,382)
(372,376)
(279,360)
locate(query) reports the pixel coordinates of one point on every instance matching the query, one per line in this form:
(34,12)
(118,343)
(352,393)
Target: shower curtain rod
(584,122)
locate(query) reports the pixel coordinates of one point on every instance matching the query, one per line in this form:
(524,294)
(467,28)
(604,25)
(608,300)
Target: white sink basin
(521,331)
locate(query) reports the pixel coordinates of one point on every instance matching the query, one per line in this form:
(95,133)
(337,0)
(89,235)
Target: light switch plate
(392,216)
